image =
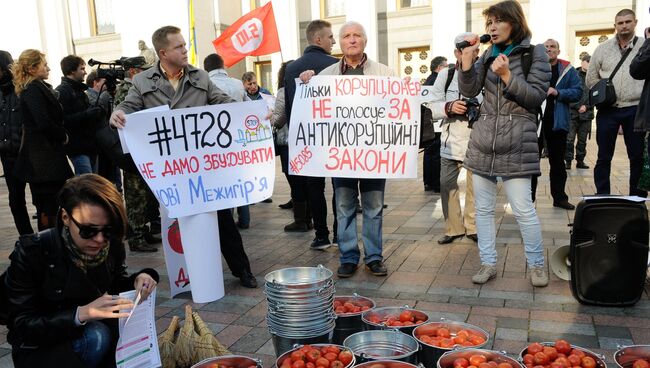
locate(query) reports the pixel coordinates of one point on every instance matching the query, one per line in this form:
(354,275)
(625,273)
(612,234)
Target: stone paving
(422,273)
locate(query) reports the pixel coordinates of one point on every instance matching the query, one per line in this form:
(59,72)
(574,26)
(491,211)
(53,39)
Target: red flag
(253,34)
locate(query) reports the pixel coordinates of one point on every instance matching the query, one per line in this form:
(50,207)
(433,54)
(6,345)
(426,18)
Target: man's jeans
(518,194)
(607,123)
(93,344)
(84,164)
(372,202)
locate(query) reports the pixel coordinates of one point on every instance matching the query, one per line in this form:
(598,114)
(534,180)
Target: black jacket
(640,69)
(313,58)
(11,122)
(42,156)
(44,289)
(584,100)
(80,119)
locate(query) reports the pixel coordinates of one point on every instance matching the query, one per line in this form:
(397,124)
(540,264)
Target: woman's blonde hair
(21,69)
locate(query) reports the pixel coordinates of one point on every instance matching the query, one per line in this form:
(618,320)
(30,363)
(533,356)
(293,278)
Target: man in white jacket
(452,107)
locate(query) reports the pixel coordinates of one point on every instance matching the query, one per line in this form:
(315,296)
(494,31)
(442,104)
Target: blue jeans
(84,164)
(244,215)
(519,196)
(93,344)
(372,202)
(607,123)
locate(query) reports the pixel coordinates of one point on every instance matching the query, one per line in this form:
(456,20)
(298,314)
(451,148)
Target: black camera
(473,110)
(111,71)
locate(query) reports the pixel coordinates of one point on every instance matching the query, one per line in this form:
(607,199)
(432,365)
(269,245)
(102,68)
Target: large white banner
(355,127)
(203,159)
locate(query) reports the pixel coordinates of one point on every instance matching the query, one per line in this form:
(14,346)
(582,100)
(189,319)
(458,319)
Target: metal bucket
(600,359)
(626,355)
(382,345)
(233,361)
(350,323)
(385,312)
(278,362)
(283,344)
(386,364)
(429,354)
(447,359)
(297,278)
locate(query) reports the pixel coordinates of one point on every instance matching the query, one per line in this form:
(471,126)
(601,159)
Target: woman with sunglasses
(62,283)
(41,161)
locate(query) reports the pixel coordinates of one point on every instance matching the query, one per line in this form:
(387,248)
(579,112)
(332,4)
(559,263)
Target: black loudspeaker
(609,251)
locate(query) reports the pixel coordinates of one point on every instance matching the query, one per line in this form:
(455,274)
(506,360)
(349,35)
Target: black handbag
(109,142)
(603,94)
(427,133)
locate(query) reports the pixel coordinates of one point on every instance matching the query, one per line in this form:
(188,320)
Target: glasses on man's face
(89,231)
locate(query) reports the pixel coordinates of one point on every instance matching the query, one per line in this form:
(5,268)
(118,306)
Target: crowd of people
(497,109)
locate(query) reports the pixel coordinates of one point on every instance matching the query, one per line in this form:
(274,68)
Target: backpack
(46,240)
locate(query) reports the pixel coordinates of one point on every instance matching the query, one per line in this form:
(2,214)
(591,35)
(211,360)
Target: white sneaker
(538,276)
(486,273)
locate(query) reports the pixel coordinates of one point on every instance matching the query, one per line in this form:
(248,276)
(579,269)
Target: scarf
(81,260)
(498,49)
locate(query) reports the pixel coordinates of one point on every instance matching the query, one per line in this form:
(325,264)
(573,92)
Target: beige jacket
(603,62)
(151,89)
(369,68)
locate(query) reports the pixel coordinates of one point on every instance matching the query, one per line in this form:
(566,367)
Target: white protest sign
(355,127)
(172,242)
(203,159)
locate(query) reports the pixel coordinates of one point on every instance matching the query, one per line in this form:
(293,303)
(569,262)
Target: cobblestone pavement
(431,277)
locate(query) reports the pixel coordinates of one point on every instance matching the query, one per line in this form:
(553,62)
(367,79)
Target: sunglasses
(89,231)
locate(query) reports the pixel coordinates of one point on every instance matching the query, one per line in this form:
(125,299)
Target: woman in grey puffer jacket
(503,142)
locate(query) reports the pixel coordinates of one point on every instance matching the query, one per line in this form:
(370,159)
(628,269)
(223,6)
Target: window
(332,8)
(101,17)
(413,3)
(264,74)
(415,62)
(258,3)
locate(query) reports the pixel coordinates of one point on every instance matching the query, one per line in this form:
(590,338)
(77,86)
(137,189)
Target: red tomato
(298,355)
(540,359)
(322,362)
(337,364)
(446,343)
(461,363)
(563,346)
(427,330)
(574,360)
(578,352)
(345,357)
(333,349)
(477,359)
(484,365)
(640,363)
(406,316)
(308,365)
(298,364)
(504,365)
(476,340)
(337,304)
(331,357)
(443,332)
(492,364)
(563,361)
(313,355)
(550,352)
(588,362)
(535,348)
(528,359)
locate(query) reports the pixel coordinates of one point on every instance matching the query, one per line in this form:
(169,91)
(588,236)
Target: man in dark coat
(80,119)
(11,129)
(305,189)
(431,156)
(582,114)
(640,69)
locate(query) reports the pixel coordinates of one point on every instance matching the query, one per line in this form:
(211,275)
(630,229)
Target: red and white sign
(254,34)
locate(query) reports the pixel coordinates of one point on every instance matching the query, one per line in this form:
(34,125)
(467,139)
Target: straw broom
(203,340)
(166,344)
(184,347)
(207,339)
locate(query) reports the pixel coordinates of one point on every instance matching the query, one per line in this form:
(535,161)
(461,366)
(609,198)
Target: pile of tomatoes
(219,365)
(442,337)
(641,363)
(342,306)
(560,355)
(327,356)
(479,361)
(405,318)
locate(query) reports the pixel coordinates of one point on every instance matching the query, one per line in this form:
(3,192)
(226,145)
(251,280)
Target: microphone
(461,45)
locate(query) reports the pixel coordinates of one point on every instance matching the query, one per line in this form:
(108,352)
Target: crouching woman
(61,283)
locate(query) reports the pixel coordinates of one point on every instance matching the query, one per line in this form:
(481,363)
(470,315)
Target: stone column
(448,19)
(365,12)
